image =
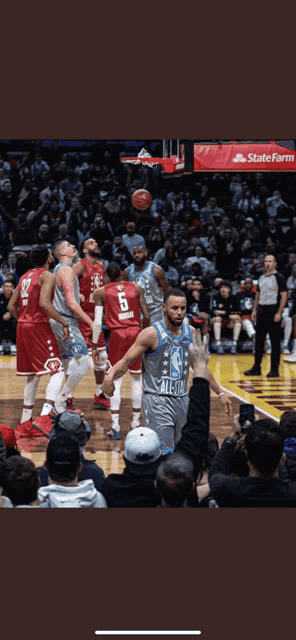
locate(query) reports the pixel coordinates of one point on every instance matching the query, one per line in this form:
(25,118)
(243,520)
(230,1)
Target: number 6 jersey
(121,305)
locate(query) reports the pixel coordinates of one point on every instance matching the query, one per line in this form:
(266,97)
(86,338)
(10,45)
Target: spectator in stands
(228,254)
(39,165)
(52,191)
(131,239)
(73,424)
(23,230)
(175,481)
(273,203)
(225,313)
(63,464)
(264,449)
(80,165)
(71,184)
(211,213)
(43,236)
(248,203)
(199,306)
(7,321)
(9,198)
(250,232)
(207,265)
(20,482)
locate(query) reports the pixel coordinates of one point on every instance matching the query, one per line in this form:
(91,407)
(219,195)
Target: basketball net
(142,158)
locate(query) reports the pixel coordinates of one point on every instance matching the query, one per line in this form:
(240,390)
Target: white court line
(148,633)
(243,399)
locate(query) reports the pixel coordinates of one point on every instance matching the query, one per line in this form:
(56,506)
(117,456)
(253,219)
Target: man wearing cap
(73,424)
(142,451)
(64,464)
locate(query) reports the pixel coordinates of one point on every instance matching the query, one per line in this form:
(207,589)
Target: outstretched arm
(147,339)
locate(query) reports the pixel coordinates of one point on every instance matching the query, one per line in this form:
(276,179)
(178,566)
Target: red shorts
(119,343)
(87,332)
(37,350)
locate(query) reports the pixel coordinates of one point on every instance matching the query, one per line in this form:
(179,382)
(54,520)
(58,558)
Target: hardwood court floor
(270,396)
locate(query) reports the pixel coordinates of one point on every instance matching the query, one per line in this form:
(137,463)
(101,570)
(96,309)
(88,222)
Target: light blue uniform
(153,292)
(75,345)
(165,379)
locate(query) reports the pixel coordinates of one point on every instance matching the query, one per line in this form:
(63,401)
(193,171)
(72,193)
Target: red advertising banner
(243,157)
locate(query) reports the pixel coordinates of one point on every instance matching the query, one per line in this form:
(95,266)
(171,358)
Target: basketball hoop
(169,165)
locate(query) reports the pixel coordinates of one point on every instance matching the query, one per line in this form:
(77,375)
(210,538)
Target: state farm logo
(264,157)
(239,158)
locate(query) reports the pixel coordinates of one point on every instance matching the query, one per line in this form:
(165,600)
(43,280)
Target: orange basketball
(141,199)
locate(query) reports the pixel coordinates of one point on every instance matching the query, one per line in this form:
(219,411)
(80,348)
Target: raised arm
(162,279)
(143,306)
(47,283)
(66,280)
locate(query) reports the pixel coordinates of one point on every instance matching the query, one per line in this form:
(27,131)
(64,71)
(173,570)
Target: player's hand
(199,354)
(277,317)
(108,387)
(227,404)
(82,297)
(6,316)
(66,332)
(254,317)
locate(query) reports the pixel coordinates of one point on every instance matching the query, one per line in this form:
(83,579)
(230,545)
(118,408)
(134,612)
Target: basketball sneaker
(101,401)
(233,349)
(115,435)
(285,349)
(43,424)
(70,407)
(292,357)
(26,430)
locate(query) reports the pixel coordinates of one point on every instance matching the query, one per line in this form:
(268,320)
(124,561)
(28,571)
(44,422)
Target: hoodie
(83,495)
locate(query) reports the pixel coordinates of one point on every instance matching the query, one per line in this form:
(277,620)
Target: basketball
(141,199)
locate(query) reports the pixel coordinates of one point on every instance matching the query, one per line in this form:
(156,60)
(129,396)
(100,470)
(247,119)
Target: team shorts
(87,333)
(75,345)
(37,350)
(119,343)
(166,415)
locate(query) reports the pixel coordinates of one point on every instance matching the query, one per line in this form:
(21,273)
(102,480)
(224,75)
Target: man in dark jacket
(142,453)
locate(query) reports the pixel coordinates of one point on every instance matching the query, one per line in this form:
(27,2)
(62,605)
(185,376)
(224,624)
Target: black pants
(265,324)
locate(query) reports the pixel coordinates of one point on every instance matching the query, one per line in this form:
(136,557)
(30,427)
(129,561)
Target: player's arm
(218,391)
(283,302)
(47,283)
(143,306)
(12,306)
(147,339)
(159,274)
(255,308)
(66,278)
(79,269)
(99,298)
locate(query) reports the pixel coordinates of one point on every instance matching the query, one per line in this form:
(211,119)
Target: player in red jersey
(91,277)
(122,302)
(37,349)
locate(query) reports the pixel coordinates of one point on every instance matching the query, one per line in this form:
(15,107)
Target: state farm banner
(243,157)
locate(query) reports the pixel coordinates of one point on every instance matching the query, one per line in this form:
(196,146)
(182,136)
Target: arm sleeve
(195,433)
(97,324)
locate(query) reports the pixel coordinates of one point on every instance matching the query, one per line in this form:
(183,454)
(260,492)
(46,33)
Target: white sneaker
(135,424)
(291,358)
(13,350)
(285,349)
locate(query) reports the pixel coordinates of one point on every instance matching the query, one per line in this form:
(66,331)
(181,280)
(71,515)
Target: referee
(271,298)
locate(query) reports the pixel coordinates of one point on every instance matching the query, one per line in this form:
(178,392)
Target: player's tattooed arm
(159,274)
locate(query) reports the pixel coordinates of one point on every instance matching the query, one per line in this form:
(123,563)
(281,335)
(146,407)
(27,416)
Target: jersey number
(123,303)
(25,288)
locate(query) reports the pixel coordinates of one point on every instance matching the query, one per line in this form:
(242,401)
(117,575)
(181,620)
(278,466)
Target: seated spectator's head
(43,229)
(63,459)
(199,251)
(8,288)
(197,284)
(21,215)
(246,246)
(175,480)
(142,451)
(292,258)
(69,422)
(272,224)
(20,482)
(11,259)
(130,228)
(225,288)
(228,234)
(217,282)
(117,241)
(63,230)
(11,278)
(264,445)
(288,423)
(7,187)
(248,284)
(5,269)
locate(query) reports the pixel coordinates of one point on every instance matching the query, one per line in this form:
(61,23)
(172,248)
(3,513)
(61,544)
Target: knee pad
(78,366)
(100,361)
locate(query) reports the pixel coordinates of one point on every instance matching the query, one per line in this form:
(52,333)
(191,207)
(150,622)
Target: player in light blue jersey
(165,347)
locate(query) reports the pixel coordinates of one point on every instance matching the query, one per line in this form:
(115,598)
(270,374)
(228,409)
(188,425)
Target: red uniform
(123,318)
(93,279)
(37,349)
